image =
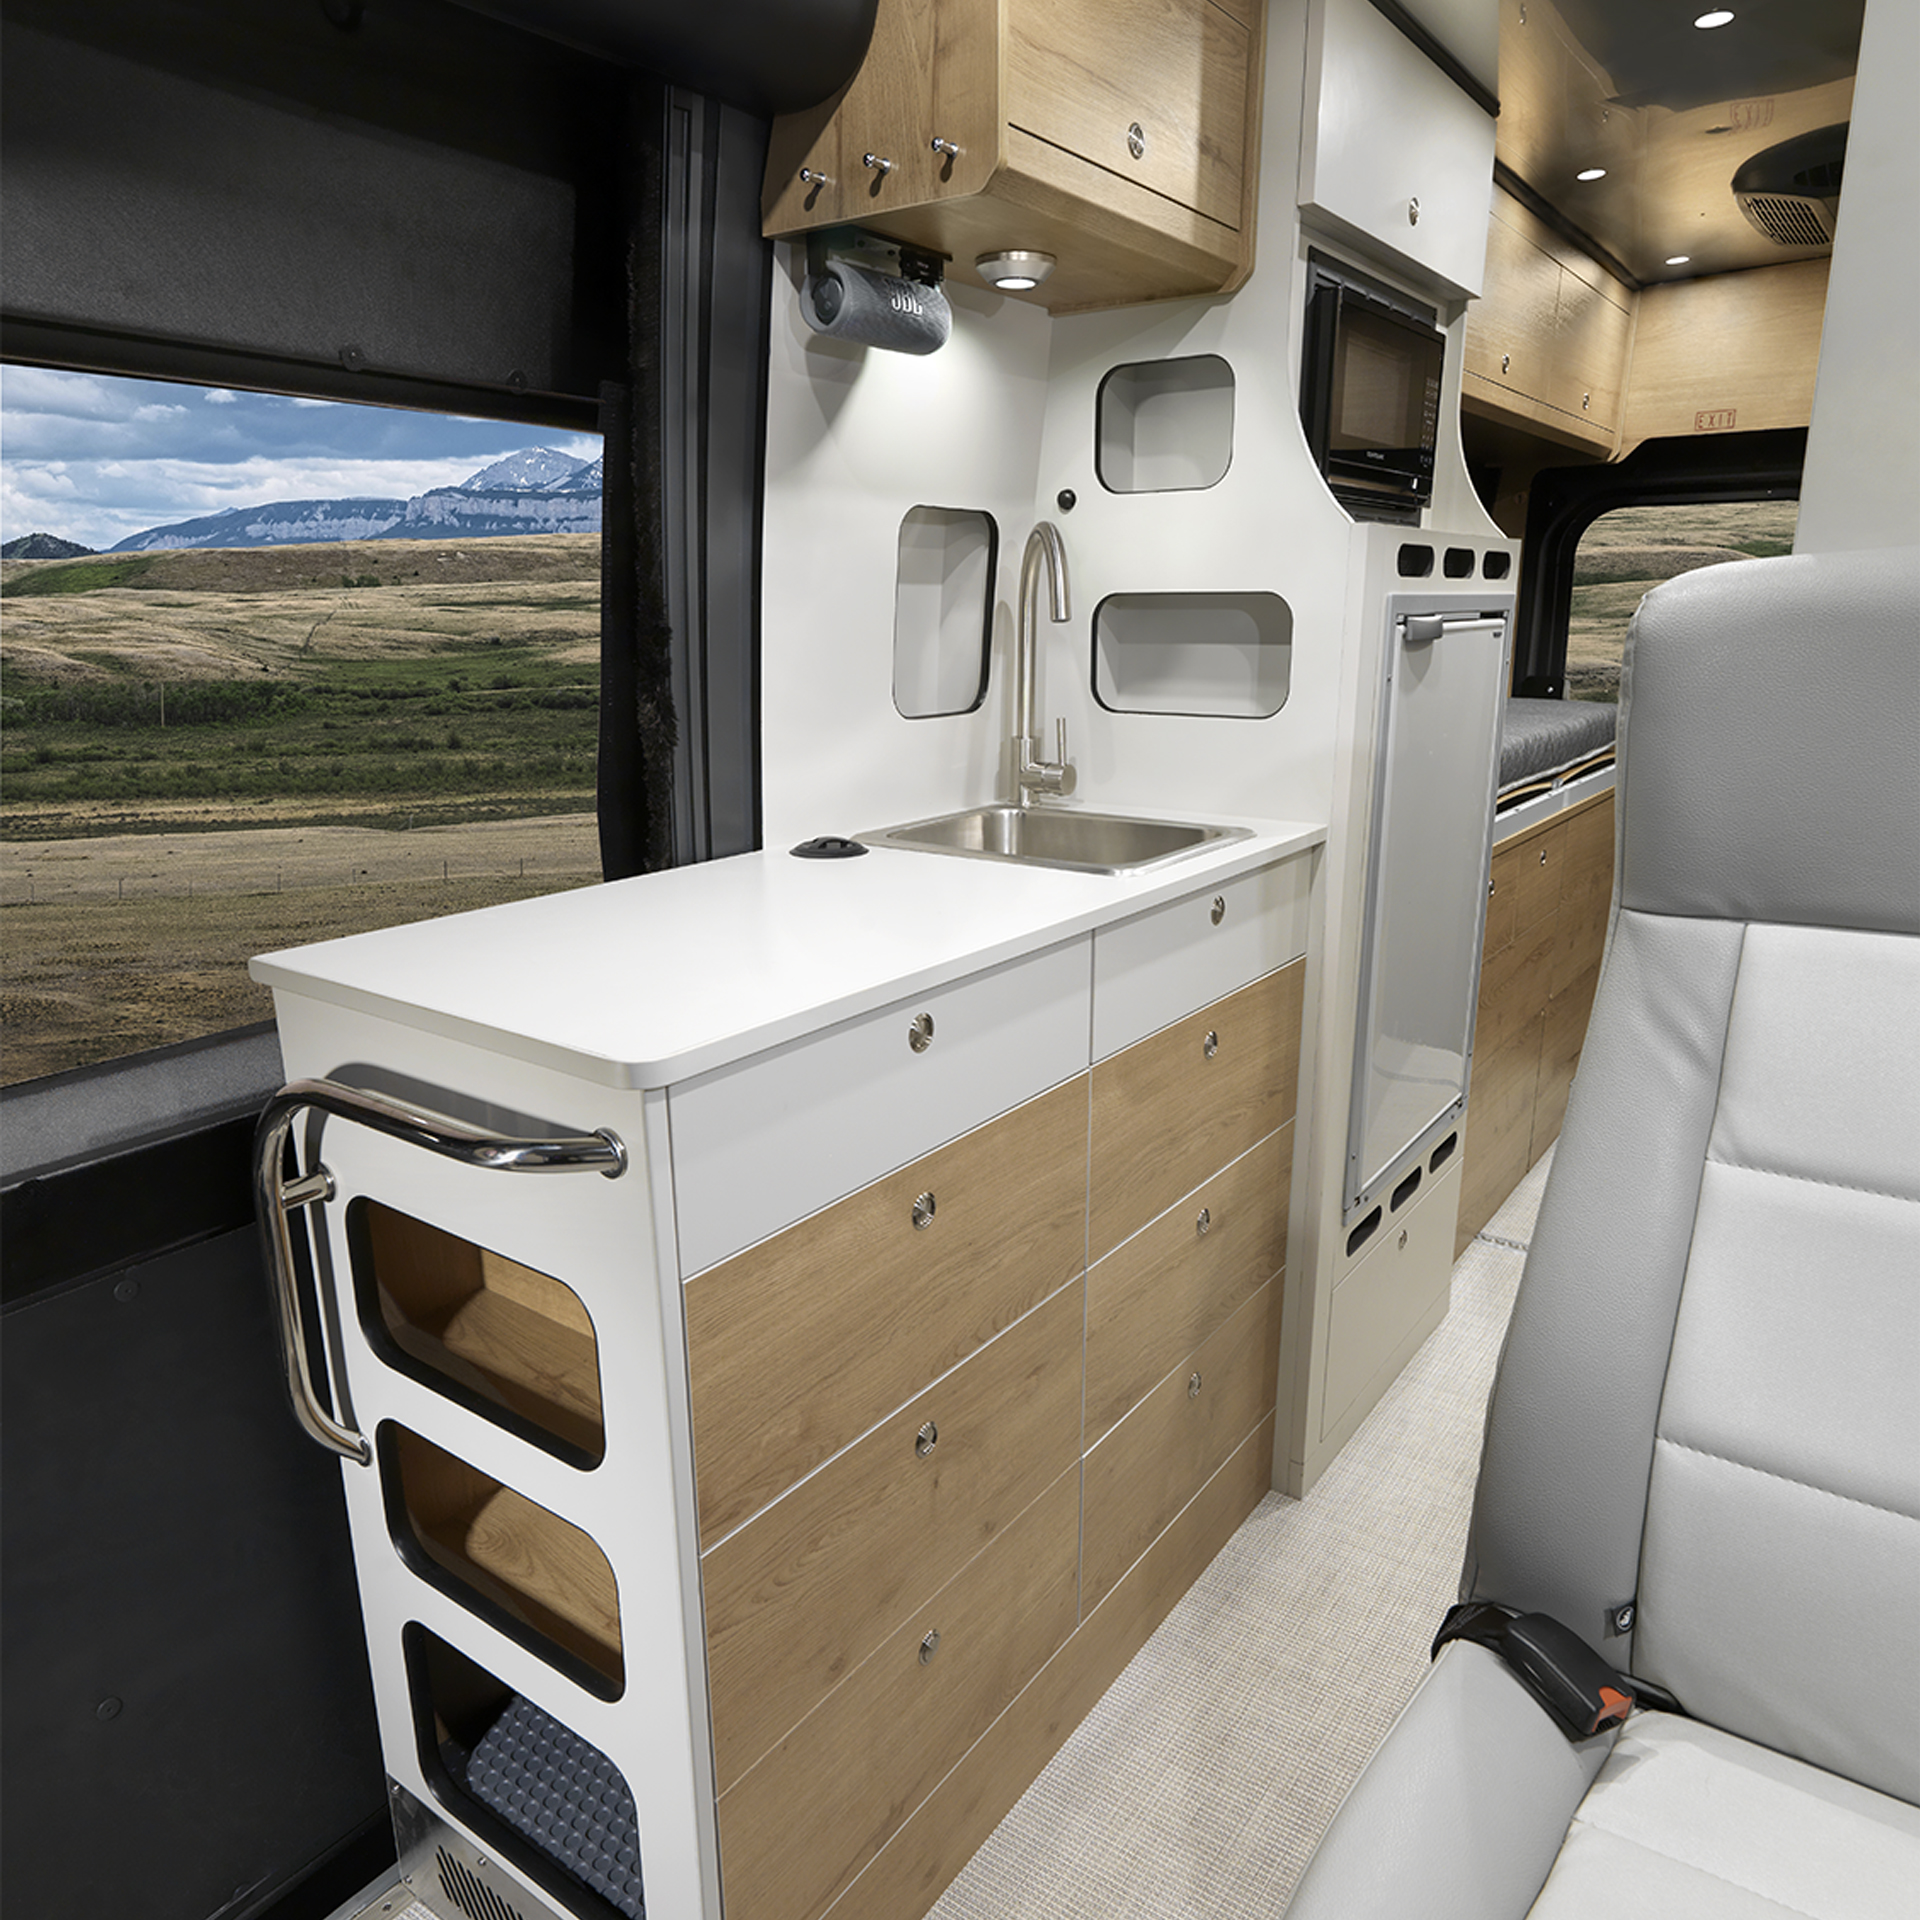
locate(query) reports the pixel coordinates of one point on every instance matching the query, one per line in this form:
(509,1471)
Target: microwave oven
(1370,368)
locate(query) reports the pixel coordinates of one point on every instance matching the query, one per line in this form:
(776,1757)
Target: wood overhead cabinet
(1120,136)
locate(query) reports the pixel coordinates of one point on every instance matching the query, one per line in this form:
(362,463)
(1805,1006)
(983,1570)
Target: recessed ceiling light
(1678,259)
(1591,173)
(1014,271)
(1717,18)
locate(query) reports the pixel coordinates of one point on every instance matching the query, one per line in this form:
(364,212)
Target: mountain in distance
(49,546)
(537,491)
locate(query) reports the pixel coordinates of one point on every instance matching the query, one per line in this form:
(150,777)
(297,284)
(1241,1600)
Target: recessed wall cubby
(537,1577)
(533,1791)
(943,610)
(1165,426)
(1217,654)
(511,1344)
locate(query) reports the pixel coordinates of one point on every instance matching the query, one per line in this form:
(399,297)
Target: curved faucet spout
(1031,774)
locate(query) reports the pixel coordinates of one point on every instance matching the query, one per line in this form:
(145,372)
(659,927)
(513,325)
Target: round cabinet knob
(1506,360)
(1193,1386)
(1219,908)
(1203,1221)
(926,1439)
(1137,141)
(1211,1044)
(920,1034)
(1413,213)
(923,1210)
(1543,856)
(929,1646)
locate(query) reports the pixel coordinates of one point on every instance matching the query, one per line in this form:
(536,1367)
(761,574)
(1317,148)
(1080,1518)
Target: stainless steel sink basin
(1055,837)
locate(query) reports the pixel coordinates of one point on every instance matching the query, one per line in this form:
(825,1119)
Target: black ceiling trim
(1543,209)
(1476,90)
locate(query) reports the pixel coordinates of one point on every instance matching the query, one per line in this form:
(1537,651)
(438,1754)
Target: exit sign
(1715,422)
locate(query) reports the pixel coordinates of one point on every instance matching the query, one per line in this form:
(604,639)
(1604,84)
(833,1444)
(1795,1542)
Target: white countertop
(644,982)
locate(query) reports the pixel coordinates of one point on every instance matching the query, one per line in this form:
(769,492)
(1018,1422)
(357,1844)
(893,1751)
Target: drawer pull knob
(1204,1221)
(923,1207)
(879,163)
(1219,908)
(1193,1386)
(926,1439)
(1137,140)
(929,1646)
(1543,856)
(951,148)
(1211,1044)
(920,1034)
(813,177)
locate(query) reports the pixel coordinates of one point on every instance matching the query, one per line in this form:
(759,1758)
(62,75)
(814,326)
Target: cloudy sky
(94,459)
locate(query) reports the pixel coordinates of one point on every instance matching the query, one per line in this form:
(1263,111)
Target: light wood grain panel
(1726,352)
(1160,1294)
(507,1333)
(1499,1126)
(799,1596)
(1561,1044)
(799,1345)
(1165,1114)
(1592,331)
(1511,327)
(1148,1468)
(1529,867)
(804,1821)
(1586,892)
(530,1563)
(1081,73)
(940,1838)
(1514,986)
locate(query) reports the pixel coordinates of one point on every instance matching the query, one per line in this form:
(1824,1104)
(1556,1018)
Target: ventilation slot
(1792,222)
(1364,1232)
(1416,562)
(1459,563)
(1496,566)
(473,1897)
(1405,1190)
(1443,1153)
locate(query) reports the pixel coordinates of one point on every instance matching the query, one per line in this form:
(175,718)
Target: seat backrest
(1709,1404)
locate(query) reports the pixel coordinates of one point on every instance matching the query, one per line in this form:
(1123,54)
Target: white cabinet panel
(1383,129)
(762,1144)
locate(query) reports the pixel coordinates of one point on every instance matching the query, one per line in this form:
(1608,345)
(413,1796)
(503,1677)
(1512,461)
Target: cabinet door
(1590,352)
(1084,74)
(1170,1110)
(1510,330)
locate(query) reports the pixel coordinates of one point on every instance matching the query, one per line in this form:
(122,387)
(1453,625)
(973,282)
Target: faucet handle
(1060,739)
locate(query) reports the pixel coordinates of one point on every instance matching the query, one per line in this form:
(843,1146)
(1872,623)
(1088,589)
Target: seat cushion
(1686,1820)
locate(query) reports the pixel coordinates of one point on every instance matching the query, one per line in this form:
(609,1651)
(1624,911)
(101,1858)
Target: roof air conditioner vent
(1791,191)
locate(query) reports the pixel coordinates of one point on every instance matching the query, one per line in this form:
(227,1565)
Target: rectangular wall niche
(943,610)
(1166,426)
(1228,654)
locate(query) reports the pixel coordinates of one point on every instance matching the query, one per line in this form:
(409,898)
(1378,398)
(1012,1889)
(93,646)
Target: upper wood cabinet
(1548,341)
(1120,136)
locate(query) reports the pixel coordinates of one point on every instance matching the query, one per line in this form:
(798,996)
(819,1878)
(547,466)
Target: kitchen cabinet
(805,1473)
(1120,136)
(1548,342)
(1551,887)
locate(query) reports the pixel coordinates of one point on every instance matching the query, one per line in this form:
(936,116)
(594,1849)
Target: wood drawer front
(1174,959)
(804,1821)
(1169,1287)
(797,1598)
(950,1826)
(1515,984)
(1528,873)
(798,1346)
(761,1144)
(1158,1457)
(1167,1113)
(1081,73)
(1499,1128)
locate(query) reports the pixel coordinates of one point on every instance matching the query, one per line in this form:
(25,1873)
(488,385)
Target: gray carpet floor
(1199,1786)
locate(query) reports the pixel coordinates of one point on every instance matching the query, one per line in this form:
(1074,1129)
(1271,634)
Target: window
(275,670)
(1623,555)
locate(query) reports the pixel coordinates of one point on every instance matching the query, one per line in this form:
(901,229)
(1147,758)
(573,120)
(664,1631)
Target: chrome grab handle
(274,1198)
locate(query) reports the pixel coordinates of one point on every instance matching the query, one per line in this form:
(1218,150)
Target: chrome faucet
(1031,774)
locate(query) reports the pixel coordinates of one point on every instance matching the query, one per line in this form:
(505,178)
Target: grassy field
(210,754)
(1624,555)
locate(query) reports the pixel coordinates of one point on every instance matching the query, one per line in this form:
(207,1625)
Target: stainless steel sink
(1055,837)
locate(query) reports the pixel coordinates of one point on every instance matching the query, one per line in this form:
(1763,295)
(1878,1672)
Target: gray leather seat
(1708,1409)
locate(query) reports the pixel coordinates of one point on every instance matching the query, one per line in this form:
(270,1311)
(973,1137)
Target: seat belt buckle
(1580,1692)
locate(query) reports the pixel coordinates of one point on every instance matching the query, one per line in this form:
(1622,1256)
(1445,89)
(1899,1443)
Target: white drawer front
(1172,960)
(761,1144)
